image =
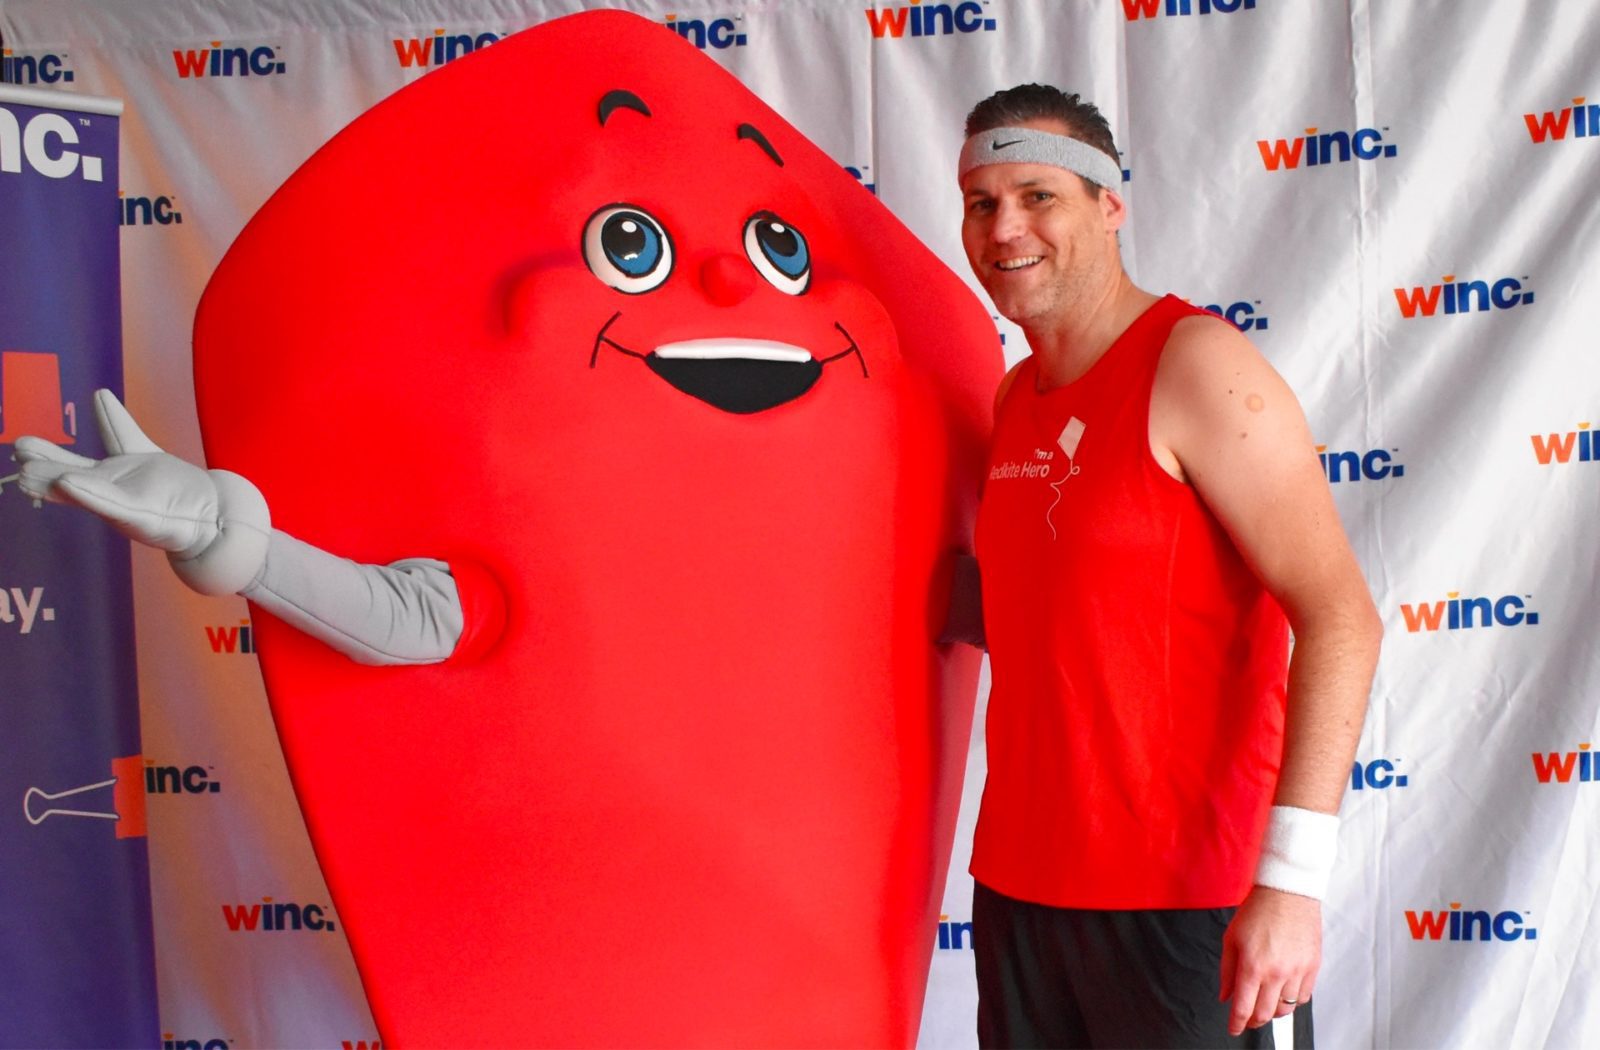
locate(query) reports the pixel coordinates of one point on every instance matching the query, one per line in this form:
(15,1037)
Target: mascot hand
(213,524)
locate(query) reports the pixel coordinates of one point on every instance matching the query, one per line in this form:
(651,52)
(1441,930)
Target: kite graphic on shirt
(1067,442)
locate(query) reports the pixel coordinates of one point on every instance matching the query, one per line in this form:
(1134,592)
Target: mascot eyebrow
(620,99)
(749,131)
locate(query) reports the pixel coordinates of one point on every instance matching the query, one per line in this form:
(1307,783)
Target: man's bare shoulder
(1205,346)
(1218,404)
(1210,374)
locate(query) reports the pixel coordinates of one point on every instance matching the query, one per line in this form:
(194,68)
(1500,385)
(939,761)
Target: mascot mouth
(736,375)
(741,376)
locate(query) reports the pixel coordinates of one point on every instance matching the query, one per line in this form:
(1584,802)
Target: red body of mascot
(698,427)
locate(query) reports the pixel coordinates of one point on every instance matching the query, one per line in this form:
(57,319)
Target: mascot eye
(779,252)
(627,249)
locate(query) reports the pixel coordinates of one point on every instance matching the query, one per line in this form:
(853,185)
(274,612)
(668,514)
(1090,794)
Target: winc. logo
(170,780)
(930,19)
(718,33)
(1329,147)
(1459,297)
(1137,9)
(1458,925)
(41,67)
(1559,767)
(1456,613)
(1372,465)
(1378,774)
(239,639)
(954,936)
(172,1042)
(1242,315)
(1582,121)
(425,52)
(148,211)
(1558,448)
(269,917)
(42,143)
(218,61)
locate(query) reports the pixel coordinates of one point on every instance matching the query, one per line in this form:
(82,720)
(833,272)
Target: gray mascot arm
(218,535)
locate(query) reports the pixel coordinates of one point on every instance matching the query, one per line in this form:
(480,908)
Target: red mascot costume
(694,427)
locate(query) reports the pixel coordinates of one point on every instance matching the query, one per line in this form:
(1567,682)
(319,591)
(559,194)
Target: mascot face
(708,266)
(752,321)
(671,392)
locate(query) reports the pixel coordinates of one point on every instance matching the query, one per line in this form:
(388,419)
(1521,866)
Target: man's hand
(1271,952)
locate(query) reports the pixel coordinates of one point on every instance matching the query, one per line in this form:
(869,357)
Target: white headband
(1032,146)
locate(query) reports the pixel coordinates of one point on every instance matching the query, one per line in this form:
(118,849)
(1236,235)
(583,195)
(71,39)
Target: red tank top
(1135,722)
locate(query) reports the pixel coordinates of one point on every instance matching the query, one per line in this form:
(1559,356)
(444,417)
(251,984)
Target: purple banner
(77,962)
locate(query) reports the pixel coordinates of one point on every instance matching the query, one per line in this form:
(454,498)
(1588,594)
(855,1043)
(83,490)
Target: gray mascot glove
(213,524)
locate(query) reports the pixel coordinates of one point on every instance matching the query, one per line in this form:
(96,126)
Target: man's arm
(964,620)
(1224,421)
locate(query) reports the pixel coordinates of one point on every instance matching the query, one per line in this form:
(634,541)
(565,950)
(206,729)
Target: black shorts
(1065,977)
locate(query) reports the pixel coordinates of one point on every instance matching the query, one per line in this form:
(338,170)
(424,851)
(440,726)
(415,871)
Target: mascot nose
(727,279)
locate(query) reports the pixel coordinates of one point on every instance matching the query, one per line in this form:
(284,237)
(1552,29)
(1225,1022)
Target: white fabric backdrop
(1473,424)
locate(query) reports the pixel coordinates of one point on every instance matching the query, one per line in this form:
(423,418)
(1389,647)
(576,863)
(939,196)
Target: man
(1161,794)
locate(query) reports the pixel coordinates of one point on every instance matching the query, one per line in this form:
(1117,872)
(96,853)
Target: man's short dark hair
(1026,102)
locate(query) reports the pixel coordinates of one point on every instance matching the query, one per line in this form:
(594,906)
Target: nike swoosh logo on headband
(1003,145)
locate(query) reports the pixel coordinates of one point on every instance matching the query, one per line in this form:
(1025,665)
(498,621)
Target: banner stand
(79,964)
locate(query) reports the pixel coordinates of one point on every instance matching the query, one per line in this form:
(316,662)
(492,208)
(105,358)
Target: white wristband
(1297,854)
(231,561)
